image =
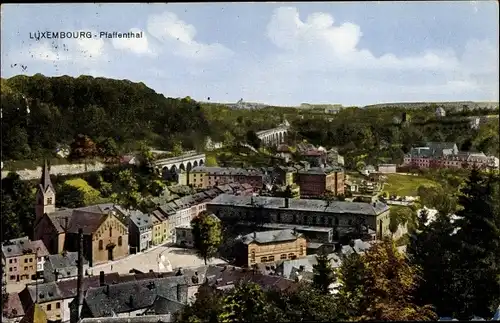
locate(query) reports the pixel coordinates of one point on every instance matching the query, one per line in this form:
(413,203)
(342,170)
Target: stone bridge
(273,137)
(185,162)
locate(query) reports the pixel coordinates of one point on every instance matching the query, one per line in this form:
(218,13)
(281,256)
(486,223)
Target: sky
(351,53)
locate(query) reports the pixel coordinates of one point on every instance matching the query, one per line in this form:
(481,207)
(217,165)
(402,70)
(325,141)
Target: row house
(315,182)
(23,259)
(205,177)
(140,231)
(342,216)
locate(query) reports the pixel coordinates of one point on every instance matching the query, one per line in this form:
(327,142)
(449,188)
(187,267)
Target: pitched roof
(13,307)
(270,236)
(334,207)
(35,314)
(88,221)
(18,247)
(65,264)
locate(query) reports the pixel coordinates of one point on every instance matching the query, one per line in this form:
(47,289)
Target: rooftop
(21,246)
(321,170)
(308,205)
(270,236)
(140,219)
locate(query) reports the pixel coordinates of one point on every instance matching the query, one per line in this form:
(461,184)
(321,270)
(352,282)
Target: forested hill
(41,113)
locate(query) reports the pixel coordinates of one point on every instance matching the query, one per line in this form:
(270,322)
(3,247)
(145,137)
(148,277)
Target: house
(105,236)
(268,246)
(23,259)
(134,298)
(282,175)
(55,297)
(387,168)
(340,215)
(62,266)
(368,169)
(315,182)
(440,112)
(140,231)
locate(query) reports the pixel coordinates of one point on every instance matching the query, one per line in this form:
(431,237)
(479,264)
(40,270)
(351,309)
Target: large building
(446,155)
(205,177)
(342,216)
(315,182)
(269,246)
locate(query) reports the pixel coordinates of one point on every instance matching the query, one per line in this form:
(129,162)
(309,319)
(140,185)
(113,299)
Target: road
(146,261)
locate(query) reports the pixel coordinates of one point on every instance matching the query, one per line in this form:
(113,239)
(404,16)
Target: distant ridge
(458,104)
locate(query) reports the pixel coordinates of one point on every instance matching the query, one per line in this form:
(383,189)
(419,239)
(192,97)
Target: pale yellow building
(270,246)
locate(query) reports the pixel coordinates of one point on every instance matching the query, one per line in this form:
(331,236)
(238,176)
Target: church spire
(45,180)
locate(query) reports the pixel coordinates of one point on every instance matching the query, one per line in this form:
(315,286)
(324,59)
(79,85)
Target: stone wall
(68,169)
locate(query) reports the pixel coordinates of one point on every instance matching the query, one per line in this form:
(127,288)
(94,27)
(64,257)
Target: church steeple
(45,181)
(45,195)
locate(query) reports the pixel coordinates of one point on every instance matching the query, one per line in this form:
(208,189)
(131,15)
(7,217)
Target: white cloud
(179,37)
(138,46)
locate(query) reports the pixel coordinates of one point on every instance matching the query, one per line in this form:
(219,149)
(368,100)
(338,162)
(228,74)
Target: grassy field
(405,185)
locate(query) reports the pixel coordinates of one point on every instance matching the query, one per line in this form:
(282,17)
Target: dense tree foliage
(41,113)
(460,258)
(17,202)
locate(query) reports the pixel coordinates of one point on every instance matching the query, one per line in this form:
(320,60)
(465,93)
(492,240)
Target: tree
(70,196)
(385,286)
(207,235)
(82,148)
(323,273)
(108,149)
(146,157)
(252,139)
(177,149)
(126,190)
(206,308)
(17,207)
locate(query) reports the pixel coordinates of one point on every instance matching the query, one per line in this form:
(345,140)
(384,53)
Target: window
(271,258)
(49,307)
(301,252)
(25,267)
(31,267)
(58,305)
(283,256)
(12,277)
(10,269)
(31,259)
(49,200)
(25,260)
(100,245)
(291,256)
(119,241)
(110,232)
(10,261)
(263,259)
(252,257)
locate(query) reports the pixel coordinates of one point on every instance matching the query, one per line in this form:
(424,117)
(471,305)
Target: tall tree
(207,235)
(126,190)
(69,196)
(82,148)
(108,149)
(324,275)
(385,290)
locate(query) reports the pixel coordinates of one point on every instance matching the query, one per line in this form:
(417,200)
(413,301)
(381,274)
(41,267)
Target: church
(105,226)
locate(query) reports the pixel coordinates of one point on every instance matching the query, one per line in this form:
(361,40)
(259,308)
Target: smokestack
(79,287)
(179,293)
(101,278)
(287,202)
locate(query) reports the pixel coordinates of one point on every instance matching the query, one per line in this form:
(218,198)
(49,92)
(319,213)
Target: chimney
(287,202)
(66,220)
(101,278)
(131,301)
(179,293)
(106,290)
(79,283)
(255,235)
(56,275)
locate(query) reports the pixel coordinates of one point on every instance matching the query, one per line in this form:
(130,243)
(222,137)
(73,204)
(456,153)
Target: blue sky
(354,53)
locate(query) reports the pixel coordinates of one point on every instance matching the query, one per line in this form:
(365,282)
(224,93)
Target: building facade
(269,246)
(342,216)
(315,182)
(23,259)
(140,231)
(205,177)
